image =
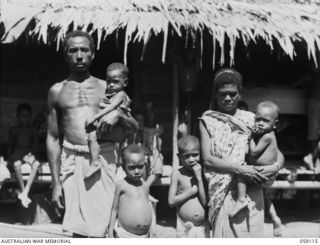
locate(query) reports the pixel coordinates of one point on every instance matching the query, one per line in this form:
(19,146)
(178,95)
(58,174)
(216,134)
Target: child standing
(262,146)
(187,191)
(21,149)
(131,214)
(115,98)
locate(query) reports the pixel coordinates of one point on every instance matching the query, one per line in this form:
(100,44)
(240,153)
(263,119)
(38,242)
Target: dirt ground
(296,224)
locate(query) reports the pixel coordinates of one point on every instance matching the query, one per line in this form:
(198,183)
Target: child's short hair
(78,33)
(131,149)
(119,66)
(187,141)
(271,105)
(24,107)
(227,76)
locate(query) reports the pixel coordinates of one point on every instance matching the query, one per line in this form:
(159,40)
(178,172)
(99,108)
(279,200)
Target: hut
(149,34)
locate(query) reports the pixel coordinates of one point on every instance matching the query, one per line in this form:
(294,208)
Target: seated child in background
(22,146)
(131,214)
(186,191)
(263,147)
(115,98)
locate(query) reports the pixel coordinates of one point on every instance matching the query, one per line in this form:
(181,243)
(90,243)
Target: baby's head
(24,113)
(133,157)
(117,77)
(267,113)
(189,150)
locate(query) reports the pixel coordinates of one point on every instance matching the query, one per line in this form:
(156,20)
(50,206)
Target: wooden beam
(175,113)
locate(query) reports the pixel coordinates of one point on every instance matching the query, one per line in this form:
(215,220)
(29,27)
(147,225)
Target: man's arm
(127,122)
(114,211)
(256,149)
(173,198)
(53,146)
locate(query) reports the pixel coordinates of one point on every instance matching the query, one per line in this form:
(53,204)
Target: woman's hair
(222,77)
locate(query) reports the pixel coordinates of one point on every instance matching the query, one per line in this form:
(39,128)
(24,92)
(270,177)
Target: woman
(224,133)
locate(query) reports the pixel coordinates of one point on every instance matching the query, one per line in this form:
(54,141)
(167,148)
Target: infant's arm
(256,149)
(173,198)
(117,100)
(114,211)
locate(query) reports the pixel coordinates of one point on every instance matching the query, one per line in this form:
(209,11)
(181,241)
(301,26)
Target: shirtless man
(131,214)
(187,192)
(70,103)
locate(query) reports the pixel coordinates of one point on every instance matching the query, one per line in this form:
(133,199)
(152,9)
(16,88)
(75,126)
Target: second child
(187,191)
(131,214)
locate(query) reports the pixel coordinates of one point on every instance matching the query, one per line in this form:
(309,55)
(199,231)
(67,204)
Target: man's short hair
(24,107)
(227,76)
(132,149)
(188,141)
(119,66)
(270,105)
(78,33)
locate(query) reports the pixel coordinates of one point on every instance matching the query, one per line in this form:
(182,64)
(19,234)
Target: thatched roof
(285,21)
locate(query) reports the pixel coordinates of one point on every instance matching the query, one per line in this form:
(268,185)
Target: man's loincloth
(189,230)
(88,202)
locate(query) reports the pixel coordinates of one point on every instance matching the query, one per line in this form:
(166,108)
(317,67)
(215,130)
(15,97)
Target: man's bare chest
(77,95)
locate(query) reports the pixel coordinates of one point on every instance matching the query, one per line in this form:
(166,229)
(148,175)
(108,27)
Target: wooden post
(175,114)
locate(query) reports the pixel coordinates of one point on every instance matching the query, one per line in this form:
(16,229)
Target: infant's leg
(242,201)
(276,221)
(94,153)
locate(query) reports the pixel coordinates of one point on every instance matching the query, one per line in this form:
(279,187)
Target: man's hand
(57,196)
(107,122)
(197,170)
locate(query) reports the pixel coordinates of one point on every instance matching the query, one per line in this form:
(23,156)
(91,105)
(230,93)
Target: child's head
(189,150)
(133,157)
(24,112)
(117,77)
(267,114)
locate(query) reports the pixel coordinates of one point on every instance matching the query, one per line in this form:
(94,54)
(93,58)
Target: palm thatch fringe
(285,21)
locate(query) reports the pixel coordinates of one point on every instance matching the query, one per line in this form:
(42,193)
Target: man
(71,102)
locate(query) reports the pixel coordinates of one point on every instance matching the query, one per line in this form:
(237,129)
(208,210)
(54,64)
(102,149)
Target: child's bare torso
(269,155)
(24,138)
(134,211)
(191,210)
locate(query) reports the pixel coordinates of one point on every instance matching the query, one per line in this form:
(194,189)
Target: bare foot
(93,168)
(25,200)
(239,206)
(277,227)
